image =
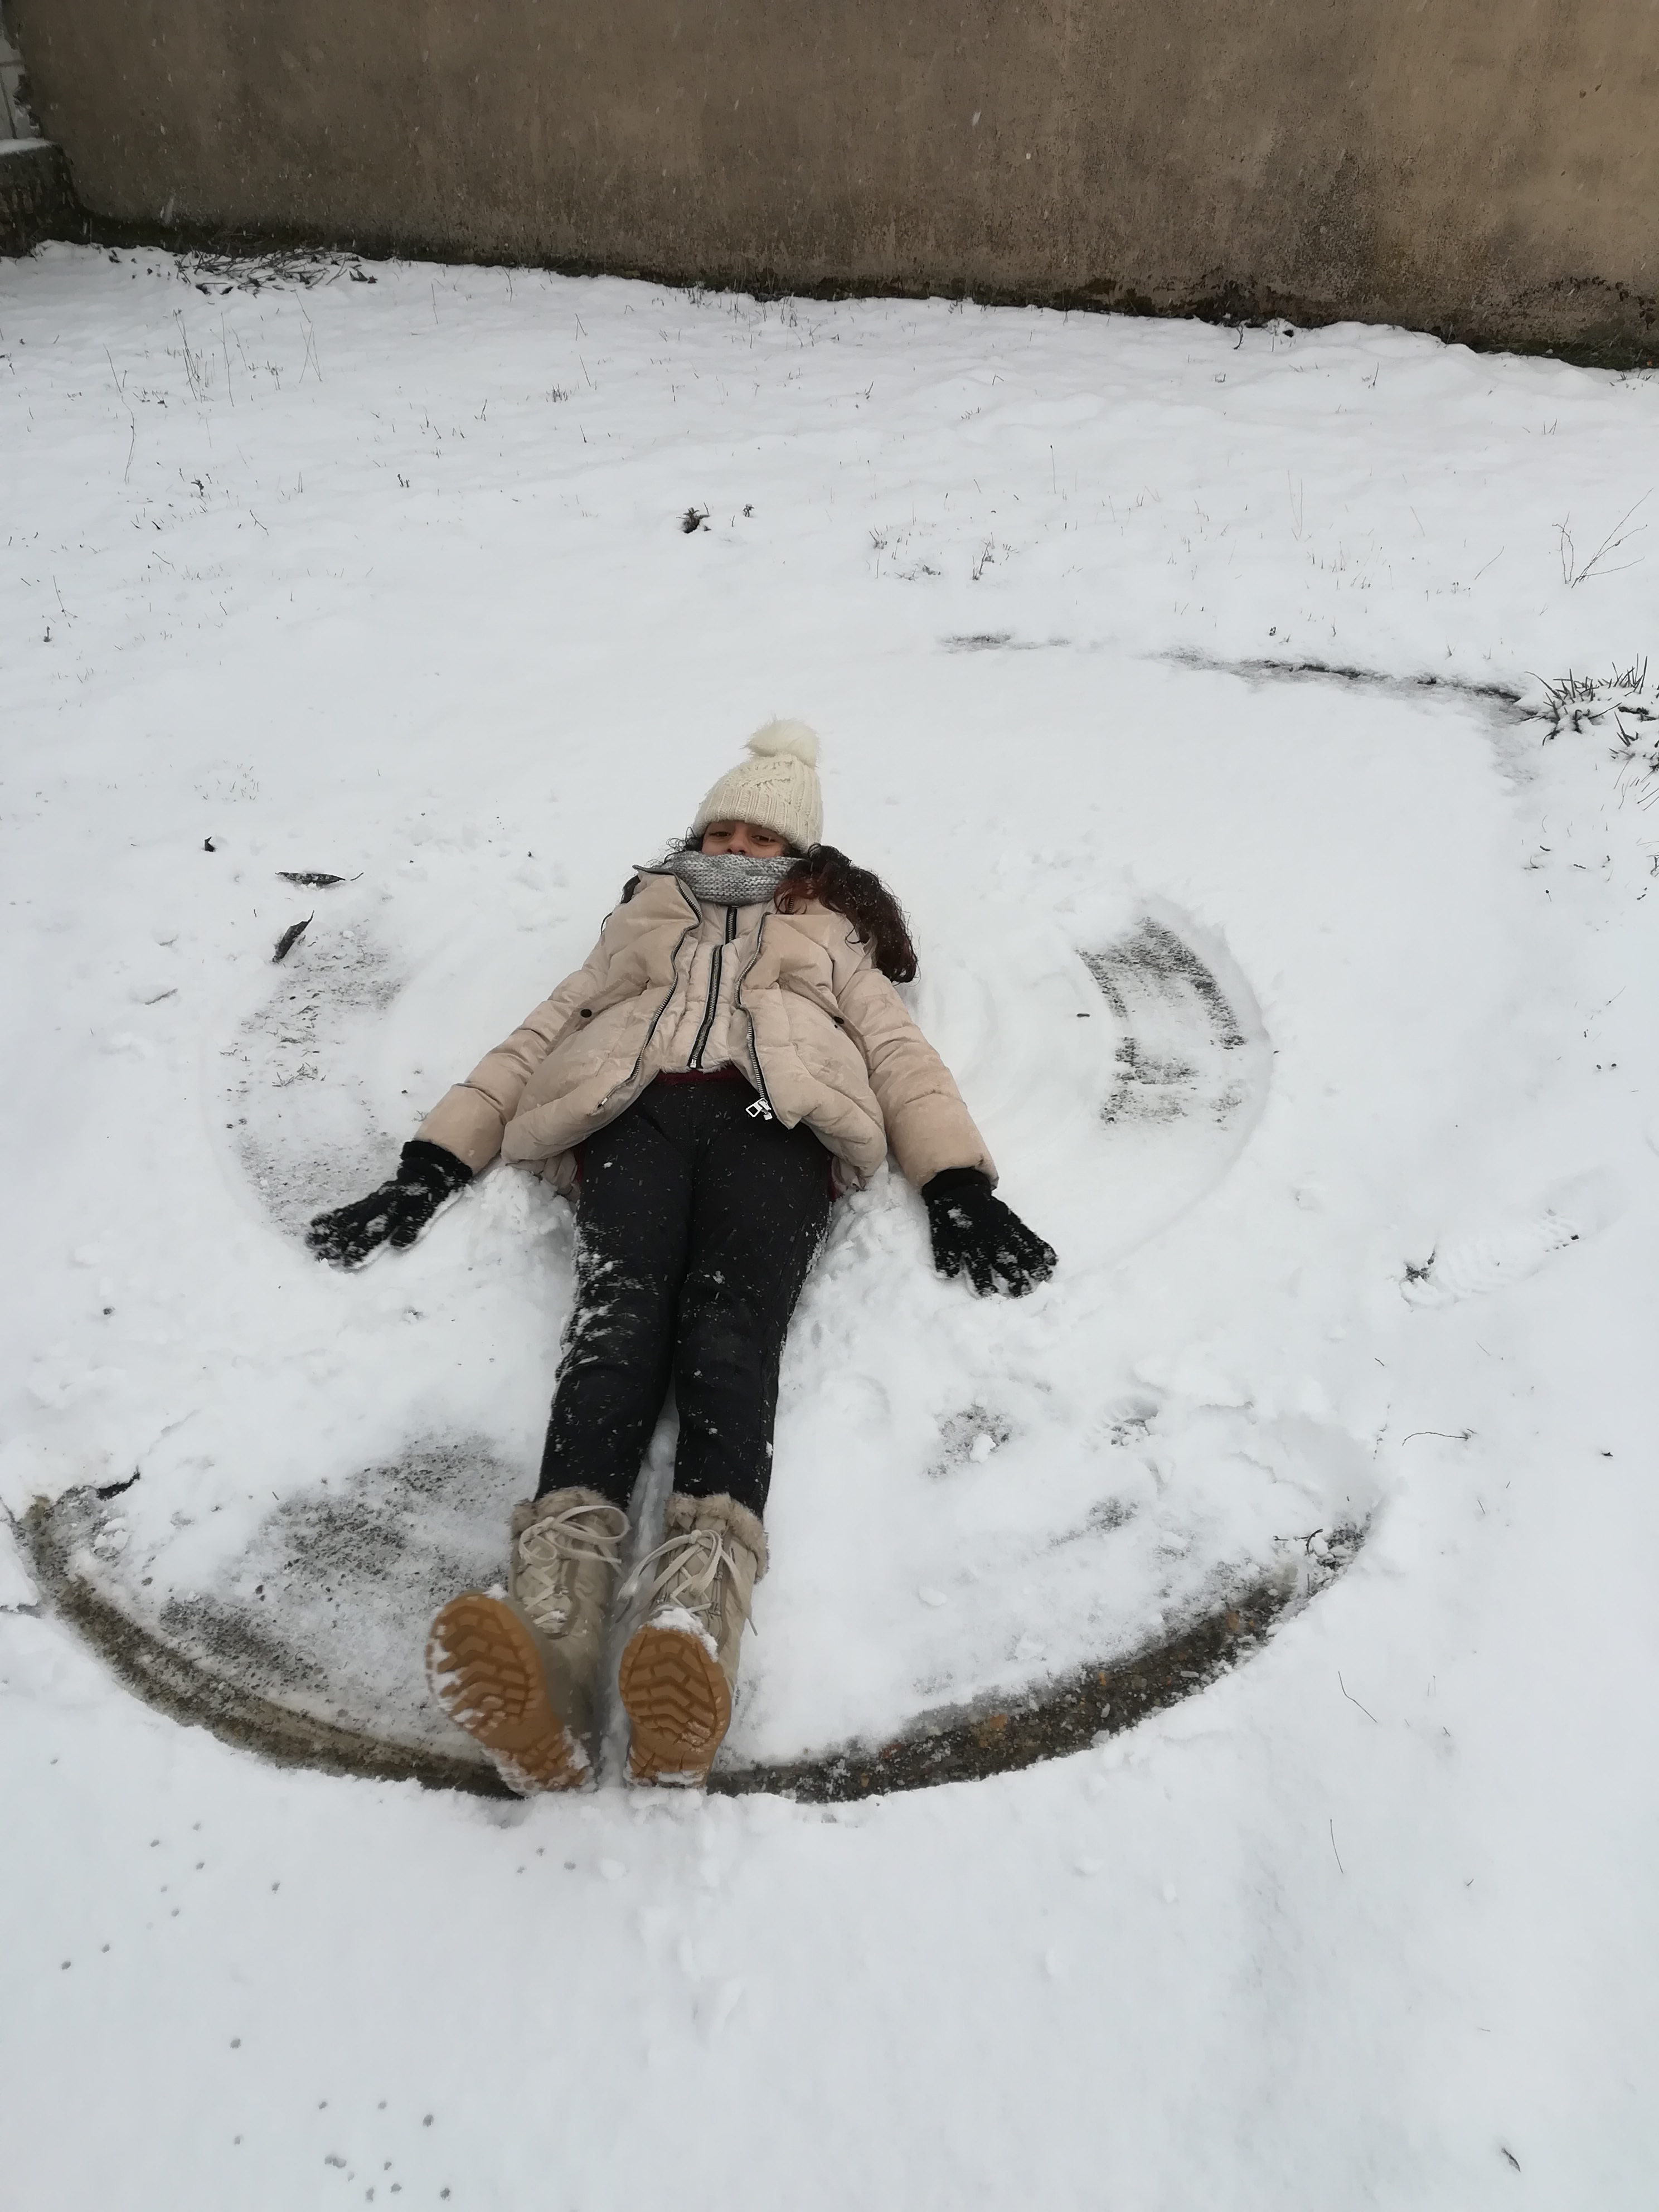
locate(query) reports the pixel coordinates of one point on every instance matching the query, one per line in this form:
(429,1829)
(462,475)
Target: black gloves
(974,1229)
(394,1214)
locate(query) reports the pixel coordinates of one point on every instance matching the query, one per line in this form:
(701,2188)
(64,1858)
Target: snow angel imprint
(732,1056)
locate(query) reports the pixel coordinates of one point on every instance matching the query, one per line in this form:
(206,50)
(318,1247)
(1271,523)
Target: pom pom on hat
(776,789)
(794,738)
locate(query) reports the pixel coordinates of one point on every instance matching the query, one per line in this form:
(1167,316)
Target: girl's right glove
(975,1232)
(397,1212)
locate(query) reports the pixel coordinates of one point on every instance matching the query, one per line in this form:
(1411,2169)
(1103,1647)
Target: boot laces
(551,1548)
(689,1567)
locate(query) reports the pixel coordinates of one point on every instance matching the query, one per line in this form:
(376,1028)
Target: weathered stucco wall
(1488,168)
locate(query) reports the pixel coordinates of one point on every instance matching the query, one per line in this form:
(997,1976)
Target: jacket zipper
(717,961)
(673,987)
(762,1105)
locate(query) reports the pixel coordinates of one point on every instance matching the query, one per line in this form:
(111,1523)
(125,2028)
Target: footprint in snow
(1478,1265)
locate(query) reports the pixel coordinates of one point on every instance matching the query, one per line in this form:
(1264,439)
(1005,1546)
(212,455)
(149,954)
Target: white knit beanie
(776,789)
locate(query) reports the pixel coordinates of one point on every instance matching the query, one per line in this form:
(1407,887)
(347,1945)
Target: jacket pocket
(594,1042)
(801,990)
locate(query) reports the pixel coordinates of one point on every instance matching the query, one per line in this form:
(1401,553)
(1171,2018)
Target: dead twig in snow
(120,393)
(193,369)
(1573,574)
(1353,1700)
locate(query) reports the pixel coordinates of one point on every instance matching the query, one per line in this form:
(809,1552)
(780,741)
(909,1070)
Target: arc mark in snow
(1502,699)
(1178,1030)
(1049,1721)
(1194,1066)
(303,1127)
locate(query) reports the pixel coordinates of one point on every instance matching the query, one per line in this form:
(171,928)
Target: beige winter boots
(680,1669)
(520,1674)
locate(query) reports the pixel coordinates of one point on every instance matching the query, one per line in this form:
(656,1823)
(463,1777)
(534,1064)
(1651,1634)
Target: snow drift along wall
(1486,168)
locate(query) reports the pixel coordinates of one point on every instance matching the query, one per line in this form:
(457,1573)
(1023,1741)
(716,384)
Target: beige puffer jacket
(805,1013)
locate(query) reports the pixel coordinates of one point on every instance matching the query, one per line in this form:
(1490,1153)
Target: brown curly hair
(827,875)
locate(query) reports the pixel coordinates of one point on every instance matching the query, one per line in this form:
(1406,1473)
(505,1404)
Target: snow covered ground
(385,576)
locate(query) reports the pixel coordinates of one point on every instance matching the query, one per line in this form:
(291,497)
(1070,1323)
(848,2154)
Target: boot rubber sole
(678,1699)
(485,1668)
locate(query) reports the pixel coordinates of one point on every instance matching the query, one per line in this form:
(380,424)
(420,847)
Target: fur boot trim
(529,1510)
(723,1513)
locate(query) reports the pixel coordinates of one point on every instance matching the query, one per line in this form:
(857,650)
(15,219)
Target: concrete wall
(1488,168)
(15,120)
(35,199)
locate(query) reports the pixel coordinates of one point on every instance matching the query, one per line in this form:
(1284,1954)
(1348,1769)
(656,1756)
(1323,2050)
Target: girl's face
(743,837)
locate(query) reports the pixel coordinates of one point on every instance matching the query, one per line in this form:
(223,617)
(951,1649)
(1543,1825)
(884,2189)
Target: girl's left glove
(397,1212)
(975,1232)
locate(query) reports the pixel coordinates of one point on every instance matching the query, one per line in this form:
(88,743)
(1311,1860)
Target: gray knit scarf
(724,878)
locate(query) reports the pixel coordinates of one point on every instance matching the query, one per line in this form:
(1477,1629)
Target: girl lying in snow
(732,1056)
